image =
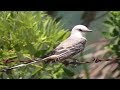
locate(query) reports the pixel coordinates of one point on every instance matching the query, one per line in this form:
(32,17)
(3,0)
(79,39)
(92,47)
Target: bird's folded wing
(68,46)
(71,48)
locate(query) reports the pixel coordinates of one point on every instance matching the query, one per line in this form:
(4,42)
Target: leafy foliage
(113,34)
(26,35)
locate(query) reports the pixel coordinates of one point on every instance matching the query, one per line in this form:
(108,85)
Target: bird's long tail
(23,65)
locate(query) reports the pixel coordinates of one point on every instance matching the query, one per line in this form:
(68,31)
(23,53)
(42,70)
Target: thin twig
(23,65)
(94,60)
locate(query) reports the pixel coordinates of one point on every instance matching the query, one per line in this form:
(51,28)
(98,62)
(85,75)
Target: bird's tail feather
(23,65)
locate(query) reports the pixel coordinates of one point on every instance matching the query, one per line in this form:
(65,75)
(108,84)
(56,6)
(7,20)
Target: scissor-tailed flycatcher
(74,44)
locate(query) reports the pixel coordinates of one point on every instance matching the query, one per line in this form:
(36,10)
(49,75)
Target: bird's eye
(80,30)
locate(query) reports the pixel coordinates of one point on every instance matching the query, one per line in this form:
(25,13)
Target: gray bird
(73,45)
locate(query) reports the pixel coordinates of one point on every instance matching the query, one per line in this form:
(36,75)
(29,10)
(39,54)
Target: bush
(26,35)
(113,33)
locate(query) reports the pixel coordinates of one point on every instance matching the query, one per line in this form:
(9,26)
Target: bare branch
(75,62)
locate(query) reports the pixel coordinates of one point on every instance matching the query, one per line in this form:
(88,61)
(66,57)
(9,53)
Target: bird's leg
(56,59)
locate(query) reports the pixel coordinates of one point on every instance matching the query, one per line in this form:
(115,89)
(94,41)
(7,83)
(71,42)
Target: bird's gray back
(70,42)
(70,47)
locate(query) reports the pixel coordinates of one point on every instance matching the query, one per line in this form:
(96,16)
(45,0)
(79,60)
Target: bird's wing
(60,47)
(70,46)
(67,52)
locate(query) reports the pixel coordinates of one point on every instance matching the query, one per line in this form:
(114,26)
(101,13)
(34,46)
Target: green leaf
(115,33)
(107,35)
(109,22)
(68,72)
(29,34)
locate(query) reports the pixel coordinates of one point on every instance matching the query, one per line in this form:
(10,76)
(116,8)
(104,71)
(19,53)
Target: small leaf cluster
(25,35)
(113,32)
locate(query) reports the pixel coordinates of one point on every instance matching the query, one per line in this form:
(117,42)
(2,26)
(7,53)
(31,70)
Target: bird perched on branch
(73,45)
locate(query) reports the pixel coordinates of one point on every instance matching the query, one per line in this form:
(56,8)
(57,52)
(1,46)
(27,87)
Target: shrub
(26,35)
(113,33)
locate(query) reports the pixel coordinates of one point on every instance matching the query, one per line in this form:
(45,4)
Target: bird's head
(81,28)
(79,31)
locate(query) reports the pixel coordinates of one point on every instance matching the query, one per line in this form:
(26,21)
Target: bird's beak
(89,30)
